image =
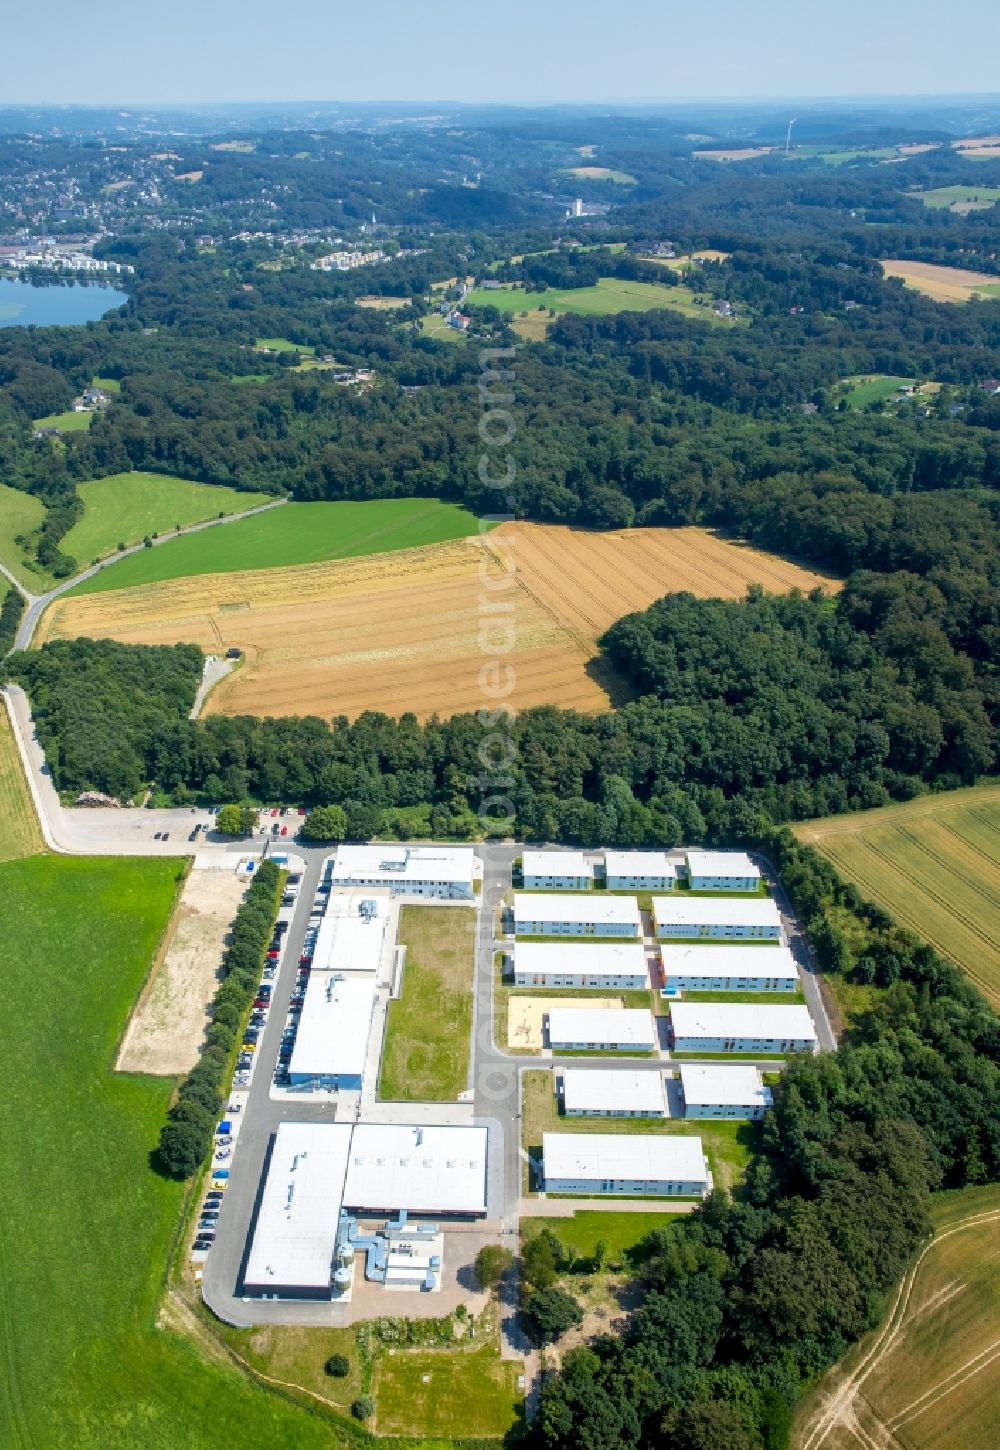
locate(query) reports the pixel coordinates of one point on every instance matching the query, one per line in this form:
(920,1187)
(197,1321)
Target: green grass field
(20,513)
(971,198)
(125,507)
(878,388)
(934,863)
(86,1224)
(296,533)
(602,173)
(109,385)
(21,834)
(622,1232)
(432,324)
(610,294)
(68,422)
(429,1029)
(447,1394)
(283,344)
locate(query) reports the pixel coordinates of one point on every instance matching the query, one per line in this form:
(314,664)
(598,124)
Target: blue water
(22,305)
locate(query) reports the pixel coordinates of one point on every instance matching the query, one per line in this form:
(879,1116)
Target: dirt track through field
(414,629)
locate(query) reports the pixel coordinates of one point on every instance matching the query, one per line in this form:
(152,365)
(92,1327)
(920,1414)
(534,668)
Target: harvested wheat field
(414,629)
(943,284)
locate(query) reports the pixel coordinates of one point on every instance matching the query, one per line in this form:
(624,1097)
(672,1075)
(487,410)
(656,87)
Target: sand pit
(165,1032)
(526,1016)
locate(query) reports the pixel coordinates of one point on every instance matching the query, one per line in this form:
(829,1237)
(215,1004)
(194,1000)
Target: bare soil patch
(165,1032)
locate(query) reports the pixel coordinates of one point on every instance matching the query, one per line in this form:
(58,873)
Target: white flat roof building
(685,916)
(563,870)
(655,1163)
(331,1044)
(722,871)
(639,871)
(598,1094)
(350,942)
(741,1027)
(296,1229)
(589,914)
(602,1027)
(581,964)
(437,1170)
(728,968)
(723,1091)
(442,871)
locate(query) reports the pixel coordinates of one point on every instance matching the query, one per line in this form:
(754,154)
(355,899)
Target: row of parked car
(281,1076)
(214,1196)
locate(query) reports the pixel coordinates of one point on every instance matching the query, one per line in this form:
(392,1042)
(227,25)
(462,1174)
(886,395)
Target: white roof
(659,1156)
(349,943)
(686,910)
(638,863)
(630,1025)
(296,1229)
(738,1086)
(581,958)
(575,906)
(421,1169)
(741,1019)
(556,863)
(727,960)
(393,863)
(332,1037)
(721,863)
(585,1089)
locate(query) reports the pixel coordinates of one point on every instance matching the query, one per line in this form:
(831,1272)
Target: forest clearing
(934,863)
(414,629)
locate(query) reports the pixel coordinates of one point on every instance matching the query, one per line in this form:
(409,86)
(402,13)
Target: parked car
(157,835)
(284,831)
(166,835)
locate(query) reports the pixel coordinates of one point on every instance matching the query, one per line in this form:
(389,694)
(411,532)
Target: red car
(274,811)
(305,960)
(302,810)
(284,830)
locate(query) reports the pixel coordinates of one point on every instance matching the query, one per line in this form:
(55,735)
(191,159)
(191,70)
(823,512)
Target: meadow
(622,1232)
(942,284)
(428,1030)
(934,863)
(602,173)
(87,1225)
(447,1394)
(68,422)
(608,295)
(296,533)
(403,631)
(929,1378)
(960,199)
(863,389)
(20,513)
(124,507)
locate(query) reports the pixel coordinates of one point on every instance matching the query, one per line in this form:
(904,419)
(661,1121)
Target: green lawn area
(296,533)
(109,385)
(877,388)
(432,324)
(68,422)
(20,513)
(447,1394)
(125,507)
(282,344)
(972,197)
(622,1232)
(727,1143)
(610,294)
(429,1029)
(602,173)
(86,1224)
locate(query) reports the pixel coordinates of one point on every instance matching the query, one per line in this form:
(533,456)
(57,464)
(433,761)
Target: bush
(548,1313)
(338,1366)
(363,1407)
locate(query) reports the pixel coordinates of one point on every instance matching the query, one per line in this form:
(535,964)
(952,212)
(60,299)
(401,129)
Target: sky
(135,51)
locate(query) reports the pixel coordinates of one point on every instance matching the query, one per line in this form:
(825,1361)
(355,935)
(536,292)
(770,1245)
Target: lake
(22,305)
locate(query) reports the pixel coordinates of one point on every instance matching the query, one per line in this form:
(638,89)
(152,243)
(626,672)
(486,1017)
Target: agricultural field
(295,533)
(602,173)
(978,148)
(929,1379)
(942,284)
(609,295)
(20,513)
(428,1033)
(382,304)
(734,153)
(862,389)
(21,834)
(87,1225)
(960,199)
(403,632)
(934,863)
(727,1143)
(68,422)
(125,507)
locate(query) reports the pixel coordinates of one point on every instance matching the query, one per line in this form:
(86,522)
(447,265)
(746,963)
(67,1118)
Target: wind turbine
(788,138)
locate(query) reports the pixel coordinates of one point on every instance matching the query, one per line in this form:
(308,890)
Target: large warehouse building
(602,1029)
(741,1027)
(438,1170)
(581,964)
(654,1163)
(556,871)
(586,914)
(291,1255)
(688,917)
(614,1094)
(331,1044)
(722,871)
(736,1091)
(639,871)
(436,871)
(728,968)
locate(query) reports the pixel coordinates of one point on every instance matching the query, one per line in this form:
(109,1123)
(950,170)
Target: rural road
(38,603)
